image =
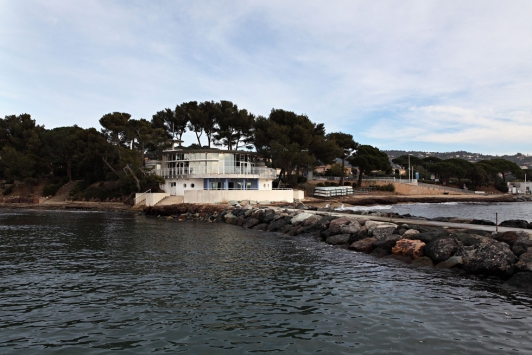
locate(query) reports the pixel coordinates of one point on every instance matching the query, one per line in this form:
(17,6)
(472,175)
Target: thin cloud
(428,72)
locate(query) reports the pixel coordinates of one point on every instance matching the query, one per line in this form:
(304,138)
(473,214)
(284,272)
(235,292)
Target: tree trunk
(110,167)
(137,182)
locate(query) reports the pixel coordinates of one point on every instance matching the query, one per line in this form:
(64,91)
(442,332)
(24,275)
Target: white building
(215,176)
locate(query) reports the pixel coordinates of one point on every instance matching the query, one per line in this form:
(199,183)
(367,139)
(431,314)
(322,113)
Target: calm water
(475,210)
(85,283)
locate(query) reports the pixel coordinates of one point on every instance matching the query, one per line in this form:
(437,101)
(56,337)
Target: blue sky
(411,75)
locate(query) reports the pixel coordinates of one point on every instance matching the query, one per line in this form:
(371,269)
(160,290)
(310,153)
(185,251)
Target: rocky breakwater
(506,255)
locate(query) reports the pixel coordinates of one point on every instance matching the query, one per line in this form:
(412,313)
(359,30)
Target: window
(184,185)
(192,185)
(173,184)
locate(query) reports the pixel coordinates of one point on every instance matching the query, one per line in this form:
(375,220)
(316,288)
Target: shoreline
(470,248)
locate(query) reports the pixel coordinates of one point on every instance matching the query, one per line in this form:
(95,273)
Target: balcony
(217,172)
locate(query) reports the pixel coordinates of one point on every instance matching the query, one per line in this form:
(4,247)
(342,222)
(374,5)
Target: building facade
(212,169)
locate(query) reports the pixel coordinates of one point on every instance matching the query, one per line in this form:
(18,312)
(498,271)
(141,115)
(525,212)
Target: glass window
(192,185)
(184,185)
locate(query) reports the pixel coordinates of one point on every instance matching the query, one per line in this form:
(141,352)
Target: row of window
(174,184)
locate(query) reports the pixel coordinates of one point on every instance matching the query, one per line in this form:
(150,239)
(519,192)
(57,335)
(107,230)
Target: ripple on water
(87,283)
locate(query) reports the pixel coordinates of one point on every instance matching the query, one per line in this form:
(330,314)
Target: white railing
(142,197)
(219,170)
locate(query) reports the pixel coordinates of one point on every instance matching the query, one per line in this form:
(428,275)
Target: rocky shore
(507,255)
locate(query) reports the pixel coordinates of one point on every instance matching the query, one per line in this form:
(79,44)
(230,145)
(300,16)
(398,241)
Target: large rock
(515,223)
(277,225)
(442,248)
(336,225)
(300,218)
(351,228)
(338,239)
(468,239)
(525,261)
(384,230)
(482,222)
(250,222)
(425,237)
(410,248)
(387,243)
(407,232)
(364,245)
(449,263)
(492,258)
(522,280)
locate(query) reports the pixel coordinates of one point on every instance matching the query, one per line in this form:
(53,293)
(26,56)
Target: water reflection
(90,282)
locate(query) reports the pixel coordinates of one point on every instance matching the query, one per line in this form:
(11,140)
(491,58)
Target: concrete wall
(409,189)
(213,196)
(151,198)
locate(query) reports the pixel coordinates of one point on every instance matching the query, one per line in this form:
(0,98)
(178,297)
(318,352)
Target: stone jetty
(506,254)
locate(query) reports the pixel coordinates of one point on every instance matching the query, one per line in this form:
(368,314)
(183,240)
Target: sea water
(91,282)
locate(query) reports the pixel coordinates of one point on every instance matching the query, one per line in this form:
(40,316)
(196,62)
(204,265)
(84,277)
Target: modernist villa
(215,176)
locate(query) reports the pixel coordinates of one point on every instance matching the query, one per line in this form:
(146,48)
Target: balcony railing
(201,171)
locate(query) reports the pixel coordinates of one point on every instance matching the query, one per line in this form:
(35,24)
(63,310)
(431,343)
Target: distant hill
(520,159)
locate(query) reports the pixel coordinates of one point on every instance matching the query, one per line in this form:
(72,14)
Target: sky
(408,75)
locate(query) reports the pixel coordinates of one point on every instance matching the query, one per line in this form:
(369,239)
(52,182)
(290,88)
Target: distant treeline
(481,173)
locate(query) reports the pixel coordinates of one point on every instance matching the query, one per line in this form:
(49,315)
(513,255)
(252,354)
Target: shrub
(50,189)
(387,187)
(327,183)
(301,179)
(8,190)
(347,183)
(320,184)
(333,184)
(501,186)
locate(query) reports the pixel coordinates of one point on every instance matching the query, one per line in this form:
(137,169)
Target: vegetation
(478,174)
(110,162)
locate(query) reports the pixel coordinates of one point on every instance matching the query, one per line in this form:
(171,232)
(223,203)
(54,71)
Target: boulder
(387,243)
(525,261)
(482,222)
(425,237)
(350,228)
(361,234)
(364,245)
(276,225)
(338,239)
(522,280)
(515,223)
(406,232)
(300,218)
(336,225)
(518,250)
(449,263)
(410,248)
(492,258)
(422,261)
(506,237)
(442,248)
(384,230)
(470,239)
